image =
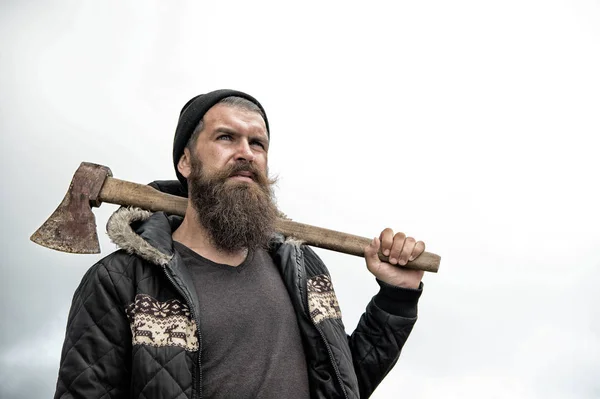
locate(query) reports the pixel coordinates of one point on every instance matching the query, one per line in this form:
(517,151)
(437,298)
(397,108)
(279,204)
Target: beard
(237,215)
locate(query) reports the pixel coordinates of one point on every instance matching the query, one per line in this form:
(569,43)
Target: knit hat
(193,112)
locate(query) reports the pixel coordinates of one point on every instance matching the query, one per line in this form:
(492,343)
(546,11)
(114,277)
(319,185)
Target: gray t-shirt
(251,344)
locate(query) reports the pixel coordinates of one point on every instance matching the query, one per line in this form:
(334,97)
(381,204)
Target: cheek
(219,156)
(262,163)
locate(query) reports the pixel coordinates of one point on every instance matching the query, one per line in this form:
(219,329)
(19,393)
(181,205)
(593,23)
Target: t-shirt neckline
(191,253)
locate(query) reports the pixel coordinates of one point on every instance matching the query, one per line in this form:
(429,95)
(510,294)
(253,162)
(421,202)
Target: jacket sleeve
(381,333)
(95,360)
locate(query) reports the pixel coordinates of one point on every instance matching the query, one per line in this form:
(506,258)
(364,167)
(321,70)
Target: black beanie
(193,112)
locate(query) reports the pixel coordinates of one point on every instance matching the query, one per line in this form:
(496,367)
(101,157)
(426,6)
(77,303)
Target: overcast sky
(471,125)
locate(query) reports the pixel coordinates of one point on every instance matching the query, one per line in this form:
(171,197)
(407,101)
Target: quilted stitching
(376,344)
(90,322)
(161,374)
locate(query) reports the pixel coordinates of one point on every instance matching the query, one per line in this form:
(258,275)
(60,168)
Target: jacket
(133,329)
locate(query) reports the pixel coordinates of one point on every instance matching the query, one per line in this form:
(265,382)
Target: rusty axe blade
(72,227)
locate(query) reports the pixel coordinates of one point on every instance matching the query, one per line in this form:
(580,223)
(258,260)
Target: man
(216,305)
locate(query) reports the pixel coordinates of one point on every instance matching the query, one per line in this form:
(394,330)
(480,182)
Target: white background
(468,124)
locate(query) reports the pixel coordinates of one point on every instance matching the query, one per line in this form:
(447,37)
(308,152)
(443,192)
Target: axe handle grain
(126,193)
(121,192)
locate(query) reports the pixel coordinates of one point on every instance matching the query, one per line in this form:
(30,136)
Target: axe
(72,226)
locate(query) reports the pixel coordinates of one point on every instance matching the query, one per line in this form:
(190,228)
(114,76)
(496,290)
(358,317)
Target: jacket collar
(143,233)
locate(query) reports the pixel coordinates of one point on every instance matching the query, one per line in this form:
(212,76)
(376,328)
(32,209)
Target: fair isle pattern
(322,302)
(160,324)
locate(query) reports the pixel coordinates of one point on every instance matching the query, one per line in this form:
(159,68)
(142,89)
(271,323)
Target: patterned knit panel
(161,324)
(322,302)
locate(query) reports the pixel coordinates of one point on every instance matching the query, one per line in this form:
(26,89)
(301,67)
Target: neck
(194,236)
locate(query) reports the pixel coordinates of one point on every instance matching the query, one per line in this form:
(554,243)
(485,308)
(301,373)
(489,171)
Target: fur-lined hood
(151,240)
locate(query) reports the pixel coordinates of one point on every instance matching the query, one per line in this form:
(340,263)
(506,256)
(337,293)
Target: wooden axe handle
(126,193)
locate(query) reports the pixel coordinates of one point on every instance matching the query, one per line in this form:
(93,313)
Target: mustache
(257,175)
(218,178)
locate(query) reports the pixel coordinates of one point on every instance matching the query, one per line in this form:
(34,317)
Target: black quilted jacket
(133,329)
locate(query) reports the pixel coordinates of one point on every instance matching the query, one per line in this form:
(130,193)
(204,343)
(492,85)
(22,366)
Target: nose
(244,152)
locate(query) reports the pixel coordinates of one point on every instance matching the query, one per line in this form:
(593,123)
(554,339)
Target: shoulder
(116,275)
(297,259)
(290,252)
(313,263)
(118,263)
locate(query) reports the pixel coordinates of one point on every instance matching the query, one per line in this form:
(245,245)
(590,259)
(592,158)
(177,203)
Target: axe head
(72,226)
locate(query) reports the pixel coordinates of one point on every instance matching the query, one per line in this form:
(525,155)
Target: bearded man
(218,305)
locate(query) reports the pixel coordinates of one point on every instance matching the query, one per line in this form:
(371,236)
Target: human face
(230,135)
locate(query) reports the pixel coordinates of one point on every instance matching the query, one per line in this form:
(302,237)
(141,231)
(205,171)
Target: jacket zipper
(332,360)
(329,352)
(178,288)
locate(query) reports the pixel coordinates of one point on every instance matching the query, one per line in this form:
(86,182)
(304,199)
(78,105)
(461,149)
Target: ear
(184,166)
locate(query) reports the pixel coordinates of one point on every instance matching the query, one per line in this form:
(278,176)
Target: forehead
(234,117)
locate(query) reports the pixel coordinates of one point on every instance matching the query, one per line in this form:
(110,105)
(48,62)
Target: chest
(242,303)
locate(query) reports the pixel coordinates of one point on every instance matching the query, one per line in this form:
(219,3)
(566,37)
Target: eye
(258,143)
(226,137)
